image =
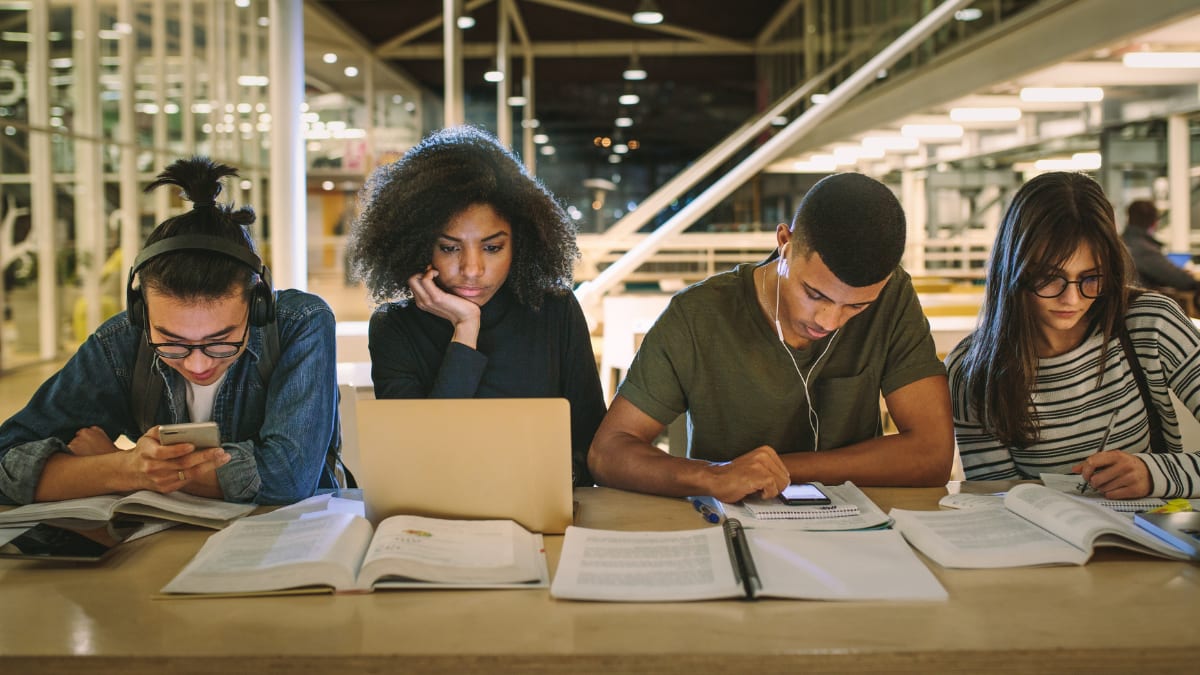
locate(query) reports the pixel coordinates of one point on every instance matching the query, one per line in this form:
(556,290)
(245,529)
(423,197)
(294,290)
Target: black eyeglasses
(213,350)
(1055,285)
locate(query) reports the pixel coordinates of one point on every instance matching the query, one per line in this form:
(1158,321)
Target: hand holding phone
(200,434)
(803,494)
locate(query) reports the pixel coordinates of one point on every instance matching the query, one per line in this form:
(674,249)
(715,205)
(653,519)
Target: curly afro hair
(405,207)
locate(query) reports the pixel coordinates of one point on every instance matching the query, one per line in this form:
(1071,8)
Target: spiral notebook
(767,509)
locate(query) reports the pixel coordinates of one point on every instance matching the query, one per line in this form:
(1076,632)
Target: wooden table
(1120,613)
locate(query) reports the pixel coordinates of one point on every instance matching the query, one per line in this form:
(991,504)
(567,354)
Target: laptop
(482,458)
(1180,259)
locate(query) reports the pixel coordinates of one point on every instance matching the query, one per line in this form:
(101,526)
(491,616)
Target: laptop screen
(1180,259)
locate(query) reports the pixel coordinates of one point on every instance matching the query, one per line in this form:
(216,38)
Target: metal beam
(422,28)
(776,22)
(589,293)
(627,19)
(596,48)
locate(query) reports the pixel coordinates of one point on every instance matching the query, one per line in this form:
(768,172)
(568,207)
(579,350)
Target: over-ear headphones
(262,296)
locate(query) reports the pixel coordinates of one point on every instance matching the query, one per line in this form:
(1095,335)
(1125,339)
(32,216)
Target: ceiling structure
(705,74)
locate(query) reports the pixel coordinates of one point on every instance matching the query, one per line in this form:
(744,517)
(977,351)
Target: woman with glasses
(1071,367)
(204,338)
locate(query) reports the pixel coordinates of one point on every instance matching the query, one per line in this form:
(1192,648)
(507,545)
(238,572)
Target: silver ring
(182,476)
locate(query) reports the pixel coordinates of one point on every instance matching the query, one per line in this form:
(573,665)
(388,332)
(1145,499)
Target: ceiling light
(1162,60)
(1062,94)
(541,139)
(493,76)
(465,21)
(779,120)
(1003,114)
(634,71)
(612,159)
(623,121)
(329,57)
(620,148)
(1080,161)
(327,185)
(647,13)
(242,3)
(351,71)
(818,98)
(968,14)
(629,99)
(516,101)
(547,150)
(932,131)
(891,142)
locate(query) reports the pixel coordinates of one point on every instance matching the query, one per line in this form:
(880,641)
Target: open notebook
(481,459)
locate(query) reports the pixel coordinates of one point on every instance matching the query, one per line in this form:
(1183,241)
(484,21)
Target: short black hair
(855,224)
(405,206)
(195,274)
(1142,213)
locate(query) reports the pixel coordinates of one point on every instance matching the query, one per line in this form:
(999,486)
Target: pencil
(1112,420)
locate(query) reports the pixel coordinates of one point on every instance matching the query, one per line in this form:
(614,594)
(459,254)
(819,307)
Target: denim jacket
(278,436)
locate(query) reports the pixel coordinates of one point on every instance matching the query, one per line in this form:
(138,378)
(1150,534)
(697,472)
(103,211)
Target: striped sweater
(1072,407)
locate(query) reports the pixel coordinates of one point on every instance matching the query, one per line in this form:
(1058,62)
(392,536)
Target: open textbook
(731,562)
(341,551)
(1035,526)
(177,506)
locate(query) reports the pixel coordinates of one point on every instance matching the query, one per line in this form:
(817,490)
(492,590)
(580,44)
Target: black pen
(1112,420)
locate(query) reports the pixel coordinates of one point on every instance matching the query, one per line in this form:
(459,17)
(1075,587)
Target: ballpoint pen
(708,508)
(1112,420)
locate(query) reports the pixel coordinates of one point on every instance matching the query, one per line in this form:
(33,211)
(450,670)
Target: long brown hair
(1049,218)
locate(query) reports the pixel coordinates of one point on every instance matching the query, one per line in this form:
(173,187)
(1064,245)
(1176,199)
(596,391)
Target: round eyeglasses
(1055,285)
(213,350)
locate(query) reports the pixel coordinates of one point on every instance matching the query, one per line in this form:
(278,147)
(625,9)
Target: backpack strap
(1158,444)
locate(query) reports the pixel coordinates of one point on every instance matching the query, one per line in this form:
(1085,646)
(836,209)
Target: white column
(289,262)
(503,87)
(41,180)
(187,53)
(131,236)
(453,63)
(912,196)
(158,28)
(90,217)
(1179,163)
(528,147)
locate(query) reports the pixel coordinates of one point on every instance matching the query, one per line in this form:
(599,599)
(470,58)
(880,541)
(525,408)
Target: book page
(987,537)
(183,507)
(645,566)
(871,565)
(450,551)
(265,555)
(85,508)
(1080,523)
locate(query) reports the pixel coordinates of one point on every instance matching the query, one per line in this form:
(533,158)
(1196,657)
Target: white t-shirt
(200,399)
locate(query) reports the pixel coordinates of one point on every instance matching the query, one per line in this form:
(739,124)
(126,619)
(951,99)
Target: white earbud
(781,269)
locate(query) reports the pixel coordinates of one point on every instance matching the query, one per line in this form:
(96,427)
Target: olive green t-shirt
(713,354)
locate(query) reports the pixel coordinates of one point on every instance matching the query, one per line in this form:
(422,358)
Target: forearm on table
(898,460)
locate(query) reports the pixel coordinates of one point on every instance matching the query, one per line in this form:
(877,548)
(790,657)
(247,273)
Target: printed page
(86,508)
(977,538)
(1080,523)
(451,551)
(202,511)
(872,565)
(266,555)
(1069,484)
(645,566)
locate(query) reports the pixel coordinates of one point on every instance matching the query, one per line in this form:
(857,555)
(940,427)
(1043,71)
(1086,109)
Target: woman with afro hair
(472,260)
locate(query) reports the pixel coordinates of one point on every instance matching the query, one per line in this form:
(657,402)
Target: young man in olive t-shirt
(776,360)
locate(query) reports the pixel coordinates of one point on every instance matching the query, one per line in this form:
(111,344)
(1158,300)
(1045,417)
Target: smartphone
(803,494)
(200,434)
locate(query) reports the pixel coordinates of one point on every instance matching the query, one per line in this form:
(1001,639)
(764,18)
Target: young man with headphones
(204,337)
(780,365)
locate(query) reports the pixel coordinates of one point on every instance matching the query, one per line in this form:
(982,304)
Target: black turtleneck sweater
(521,354)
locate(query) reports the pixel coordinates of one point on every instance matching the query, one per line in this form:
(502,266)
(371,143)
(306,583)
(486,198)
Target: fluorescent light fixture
(541,139)
(14,36)
(351,71)
(648,13)
(932,131)
(818,99)
(1080,161)
(547,150)
(64,62)
(465,21)
(171,108)
(1004,114)
(242,3)
(891,142)
(1062,94)
(202,108)
(517,101)
(623,121)
(779,120)
(634,71)
(629,99)
(493,76)
(819,163)
(1162,60)
(253,80)
(969,14)
(329,57)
